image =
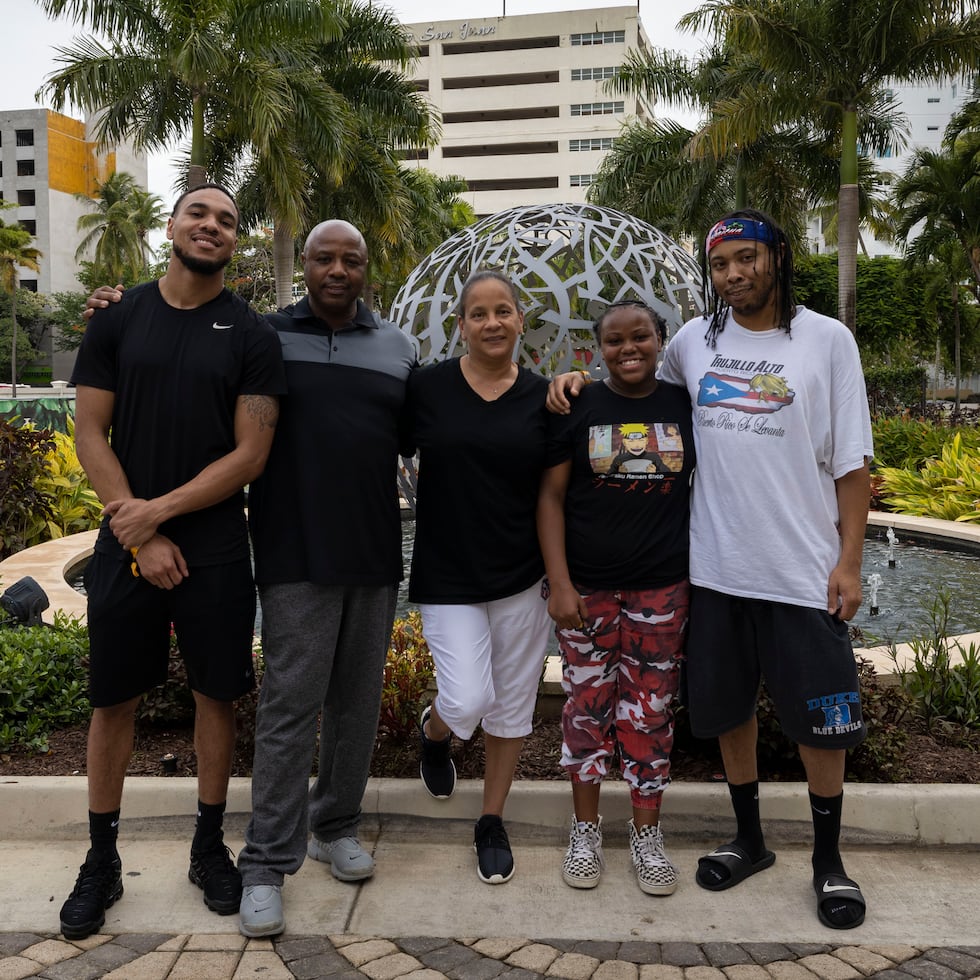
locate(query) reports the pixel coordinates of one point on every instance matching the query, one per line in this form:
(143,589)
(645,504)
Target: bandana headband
(742,229)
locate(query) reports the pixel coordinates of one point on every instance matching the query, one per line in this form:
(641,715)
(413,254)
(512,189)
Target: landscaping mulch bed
(928,758)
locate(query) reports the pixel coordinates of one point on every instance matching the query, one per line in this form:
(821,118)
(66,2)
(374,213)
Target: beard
(205,267)
(756,300)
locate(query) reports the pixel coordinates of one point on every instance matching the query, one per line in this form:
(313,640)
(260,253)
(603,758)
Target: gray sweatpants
(324,649)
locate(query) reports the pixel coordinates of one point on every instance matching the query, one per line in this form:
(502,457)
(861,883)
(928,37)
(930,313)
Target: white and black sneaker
(583,862)
(436,766)
(654,873)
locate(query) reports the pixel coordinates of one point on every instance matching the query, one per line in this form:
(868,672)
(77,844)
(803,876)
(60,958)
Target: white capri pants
(488,659)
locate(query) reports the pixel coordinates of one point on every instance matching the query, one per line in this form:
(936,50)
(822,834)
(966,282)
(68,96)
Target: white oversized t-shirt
(777,419)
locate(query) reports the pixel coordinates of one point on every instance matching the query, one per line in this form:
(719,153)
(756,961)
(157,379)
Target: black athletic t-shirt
(480,466)
(627,504)
(176,376)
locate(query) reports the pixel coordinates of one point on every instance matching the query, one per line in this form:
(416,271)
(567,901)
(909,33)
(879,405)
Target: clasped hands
(134,524)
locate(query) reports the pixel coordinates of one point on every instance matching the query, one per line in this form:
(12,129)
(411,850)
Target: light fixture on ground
(24,602)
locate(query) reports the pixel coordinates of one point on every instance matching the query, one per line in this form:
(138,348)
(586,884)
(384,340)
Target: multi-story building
(45,160)
(526,118)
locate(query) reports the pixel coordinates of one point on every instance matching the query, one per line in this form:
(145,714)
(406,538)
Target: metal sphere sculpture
(568,261)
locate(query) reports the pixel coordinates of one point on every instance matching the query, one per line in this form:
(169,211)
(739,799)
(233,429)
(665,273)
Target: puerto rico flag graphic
(762,393)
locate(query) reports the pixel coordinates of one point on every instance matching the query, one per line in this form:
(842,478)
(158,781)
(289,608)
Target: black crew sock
(826,813)
(836,909)
(208,834)
(745,801)
(103,831)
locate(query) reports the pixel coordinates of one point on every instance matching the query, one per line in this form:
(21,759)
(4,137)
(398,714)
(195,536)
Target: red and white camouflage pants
(621,675)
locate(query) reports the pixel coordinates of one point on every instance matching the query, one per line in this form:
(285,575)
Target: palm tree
(175,67)
(15,251)
(675,178)
(374,109)
(939,191)
(650,173)
(118,227)
(434,211)
(832,59)
(147,214)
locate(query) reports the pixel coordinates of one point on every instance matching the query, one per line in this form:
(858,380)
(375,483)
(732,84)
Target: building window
(29,284)
(27,198)
(593,143)
(512,183)
(932,98)
(932,129)
(598,37)
(484,81)
(499,149)
(25,137)
(501,115)
(30,226)
(512,44)
(592,74)
(598,108)
(412,154)
(581,180)
(25,168)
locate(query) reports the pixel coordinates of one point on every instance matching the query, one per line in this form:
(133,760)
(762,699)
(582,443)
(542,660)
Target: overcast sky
(28,55)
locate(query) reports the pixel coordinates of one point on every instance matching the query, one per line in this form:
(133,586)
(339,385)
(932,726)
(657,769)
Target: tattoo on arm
(264,409)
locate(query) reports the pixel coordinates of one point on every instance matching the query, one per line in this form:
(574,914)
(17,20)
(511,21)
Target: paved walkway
(425,915)
(152,956)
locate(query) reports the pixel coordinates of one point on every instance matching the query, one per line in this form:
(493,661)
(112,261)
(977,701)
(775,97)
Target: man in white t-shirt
(778,514)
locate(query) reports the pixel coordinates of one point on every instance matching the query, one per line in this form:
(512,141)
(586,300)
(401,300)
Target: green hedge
(894,389)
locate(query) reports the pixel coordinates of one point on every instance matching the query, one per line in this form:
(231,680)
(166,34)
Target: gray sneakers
(347,859)
(261,911)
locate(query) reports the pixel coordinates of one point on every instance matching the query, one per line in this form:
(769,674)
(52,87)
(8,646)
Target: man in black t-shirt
(327,564)
(176,403)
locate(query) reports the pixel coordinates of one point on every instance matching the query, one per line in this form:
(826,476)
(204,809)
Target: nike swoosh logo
(733,854)
(823,813)
(828,888)
(222,326)
(115,823)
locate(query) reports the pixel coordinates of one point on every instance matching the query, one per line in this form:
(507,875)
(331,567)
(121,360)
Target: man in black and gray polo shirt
(326,530)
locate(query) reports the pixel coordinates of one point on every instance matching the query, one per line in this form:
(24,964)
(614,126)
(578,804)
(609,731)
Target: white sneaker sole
(575,882)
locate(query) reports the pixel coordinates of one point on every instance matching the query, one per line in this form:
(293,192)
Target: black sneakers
(436,766)
(99,884)
(494,861)
(214,872)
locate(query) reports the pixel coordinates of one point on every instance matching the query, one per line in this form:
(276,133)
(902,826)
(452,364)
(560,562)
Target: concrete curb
(917,814)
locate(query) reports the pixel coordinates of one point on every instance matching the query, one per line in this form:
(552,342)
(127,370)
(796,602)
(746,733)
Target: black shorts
(804,655)
(129,620)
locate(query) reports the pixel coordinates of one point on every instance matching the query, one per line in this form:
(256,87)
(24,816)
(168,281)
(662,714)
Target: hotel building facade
(525,115)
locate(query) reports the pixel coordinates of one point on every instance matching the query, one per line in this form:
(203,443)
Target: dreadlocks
(768,234)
